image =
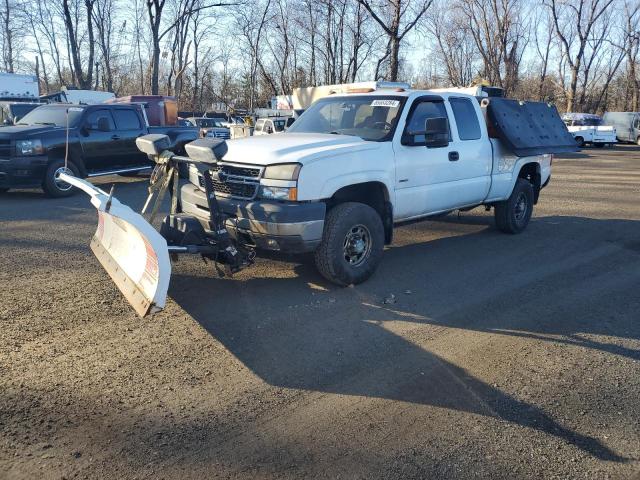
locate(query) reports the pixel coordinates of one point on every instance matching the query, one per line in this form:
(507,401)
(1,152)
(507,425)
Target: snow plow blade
(132,252)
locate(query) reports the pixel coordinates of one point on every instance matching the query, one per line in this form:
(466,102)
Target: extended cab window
(420,112)
(466,118)
(126,119)
(92,119)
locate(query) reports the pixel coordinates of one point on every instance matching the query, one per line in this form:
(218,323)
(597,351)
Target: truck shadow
(338,341)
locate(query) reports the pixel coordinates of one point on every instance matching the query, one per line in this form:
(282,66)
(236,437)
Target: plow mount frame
(135,255)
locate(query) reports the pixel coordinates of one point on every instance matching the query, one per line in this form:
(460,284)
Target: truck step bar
(119,170)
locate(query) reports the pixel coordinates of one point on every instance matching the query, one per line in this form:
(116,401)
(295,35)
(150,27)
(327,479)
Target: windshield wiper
(335,132)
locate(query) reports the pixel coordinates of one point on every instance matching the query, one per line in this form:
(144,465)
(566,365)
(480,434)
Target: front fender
(334,184)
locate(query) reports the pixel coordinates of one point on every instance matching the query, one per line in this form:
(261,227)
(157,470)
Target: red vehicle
(160,110)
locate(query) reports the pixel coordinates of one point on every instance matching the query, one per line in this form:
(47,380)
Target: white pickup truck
(588,129)
(355,165)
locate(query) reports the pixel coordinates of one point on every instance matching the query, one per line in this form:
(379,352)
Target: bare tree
(631,46)
(500,35)
(574,21)
(82,73)
(391,16)
(455,46)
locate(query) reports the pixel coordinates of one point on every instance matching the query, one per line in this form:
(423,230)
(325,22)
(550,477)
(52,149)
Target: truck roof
(402,93)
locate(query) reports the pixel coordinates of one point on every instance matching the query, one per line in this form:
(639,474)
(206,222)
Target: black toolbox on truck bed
(527,128)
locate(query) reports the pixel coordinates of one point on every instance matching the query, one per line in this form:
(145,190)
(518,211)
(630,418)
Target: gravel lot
(503,356)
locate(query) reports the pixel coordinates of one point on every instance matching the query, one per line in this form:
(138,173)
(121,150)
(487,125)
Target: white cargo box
(18,87)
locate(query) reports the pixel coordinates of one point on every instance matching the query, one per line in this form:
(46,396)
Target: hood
(293,148)
(20,131)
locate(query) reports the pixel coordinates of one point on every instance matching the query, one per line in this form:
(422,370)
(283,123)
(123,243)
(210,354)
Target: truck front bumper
(288,227)
(22,172)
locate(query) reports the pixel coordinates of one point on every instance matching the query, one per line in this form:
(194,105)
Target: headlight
(285,171)
(29,147)
(279,193)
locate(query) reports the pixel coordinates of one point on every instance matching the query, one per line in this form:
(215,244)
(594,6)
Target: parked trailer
(17,87)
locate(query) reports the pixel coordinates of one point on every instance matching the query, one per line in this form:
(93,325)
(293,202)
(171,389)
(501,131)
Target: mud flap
(132,252)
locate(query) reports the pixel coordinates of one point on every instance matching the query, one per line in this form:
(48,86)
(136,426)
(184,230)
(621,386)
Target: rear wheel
(352,244)
(52,184)
(513,215)
(580,141)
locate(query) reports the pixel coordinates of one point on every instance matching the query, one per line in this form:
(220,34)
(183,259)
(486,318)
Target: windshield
(52,115)
(368,117)
(591,121)
(20,110)
(209,122)
(279,124)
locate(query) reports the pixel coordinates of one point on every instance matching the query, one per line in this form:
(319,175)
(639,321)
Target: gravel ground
(502,356)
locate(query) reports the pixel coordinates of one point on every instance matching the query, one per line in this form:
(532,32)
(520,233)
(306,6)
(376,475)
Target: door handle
(454,156)
(115,137)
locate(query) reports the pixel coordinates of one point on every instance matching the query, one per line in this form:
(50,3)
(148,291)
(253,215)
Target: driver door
(97,145)
(424,177)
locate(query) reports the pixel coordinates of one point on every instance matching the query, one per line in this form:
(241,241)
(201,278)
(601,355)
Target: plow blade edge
(132,252)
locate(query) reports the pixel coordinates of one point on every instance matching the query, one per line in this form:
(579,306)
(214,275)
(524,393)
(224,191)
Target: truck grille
(233,181)
(5,148)
(237,171)
(220,134)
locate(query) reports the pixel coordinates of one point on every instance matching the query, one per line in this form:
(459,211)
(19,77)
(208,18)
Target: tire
(580,141)
(352,244)
(52,186)
(512,216)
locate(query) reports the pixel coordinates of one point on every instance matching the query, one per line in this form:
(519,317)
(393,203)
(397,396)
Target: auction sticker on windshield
(386,103)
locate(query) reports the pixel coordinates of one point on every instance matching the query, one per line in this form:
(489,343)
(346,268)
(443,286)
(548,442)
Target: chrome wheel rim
(521,207)
(357,245)
(60,185)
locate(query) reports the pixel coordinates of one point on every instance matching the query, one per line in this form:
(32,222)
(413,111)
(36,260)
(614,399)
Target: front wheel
(352,244)
(513,215)
(52,184)
(580,141)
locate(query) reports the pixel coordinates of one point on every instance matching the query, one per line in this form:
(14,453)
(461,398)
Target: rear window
(466,118)
(126,119)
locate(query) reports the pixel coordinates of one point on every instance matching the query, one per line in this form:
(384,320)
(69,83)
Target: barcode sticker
(386,103)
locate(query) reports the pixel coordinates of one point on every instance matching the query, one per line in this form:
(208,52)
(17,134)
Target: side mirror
(6,122)
(104,125)
(436,132)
